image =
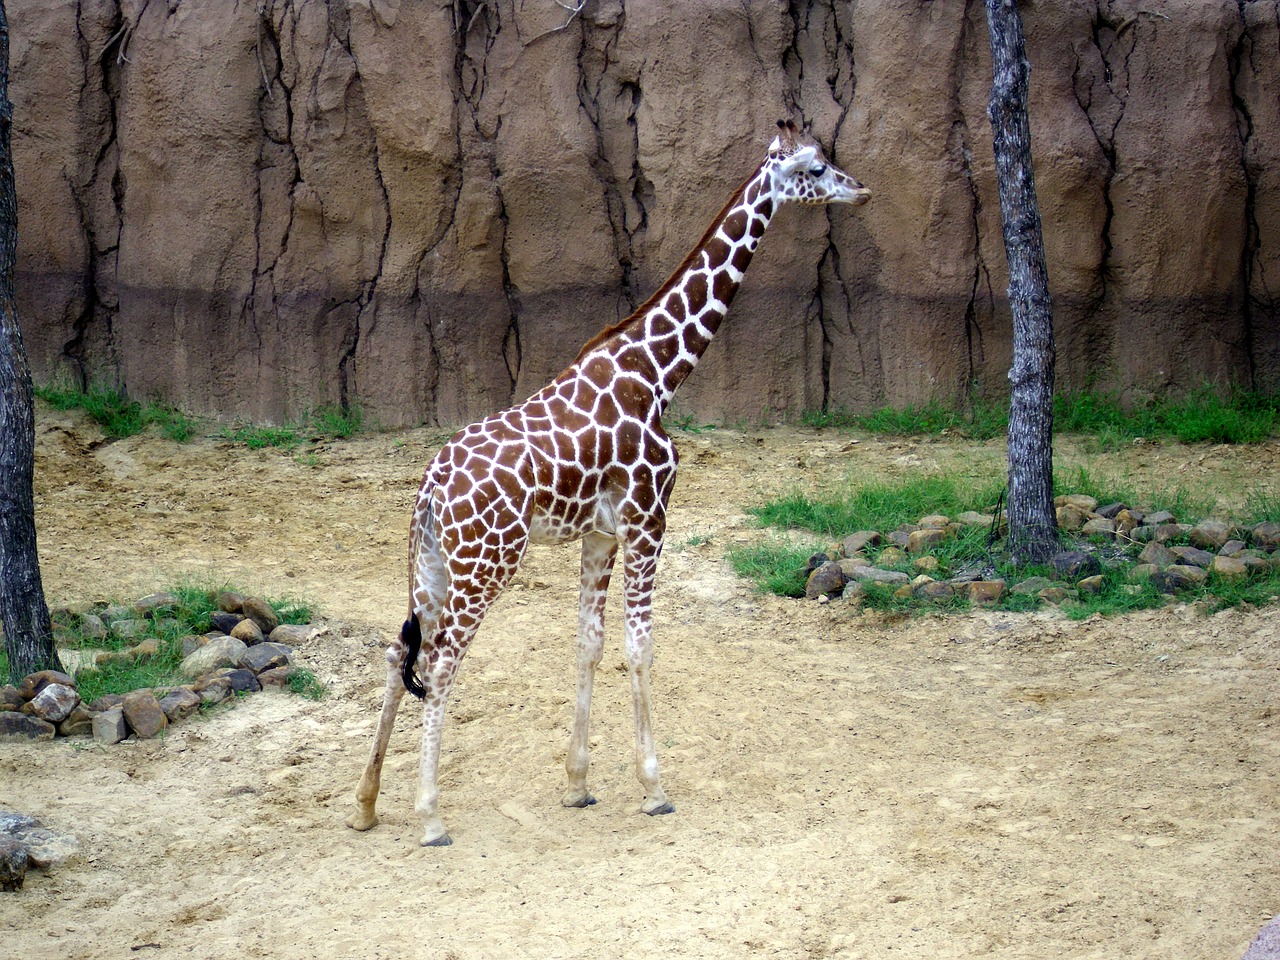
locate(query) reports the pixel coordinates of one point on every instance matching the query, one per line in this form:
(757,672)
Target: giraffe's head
(802,174)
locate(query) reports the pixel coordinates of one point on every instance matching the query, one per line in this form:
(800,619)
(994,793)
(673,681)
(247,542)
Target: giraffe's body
(584,458)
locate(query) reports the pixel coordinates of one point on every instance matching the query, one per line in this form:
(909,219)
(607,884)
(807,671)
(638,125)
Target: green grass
(190,615)
(777,567)
(323,423)
(983,421)
(876,506)
(1204,415)
(119,416)
(781,567)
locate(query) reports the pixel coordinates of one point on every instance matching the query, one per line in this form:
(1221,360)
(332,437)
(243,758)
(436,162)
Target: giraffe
(587,458)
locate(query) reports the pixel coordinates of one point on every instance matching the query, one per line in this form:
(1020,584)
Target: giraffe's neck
(664,339)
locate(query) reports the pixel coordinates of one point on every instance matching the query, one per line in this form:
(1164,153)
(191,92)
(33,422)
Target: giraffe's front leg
(640,566)
(598,552)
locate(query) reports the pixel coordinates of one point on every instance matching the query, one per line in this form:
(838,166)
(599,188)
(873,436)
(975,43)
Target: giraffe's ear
(801,159)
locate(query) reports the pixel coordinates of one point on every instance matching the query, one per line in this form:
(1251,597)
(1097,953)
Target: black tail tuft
(411,636)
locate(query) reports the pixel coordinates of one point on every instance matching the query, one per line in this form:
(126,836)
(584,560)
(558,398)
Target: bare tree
(24,614)
(1033,528)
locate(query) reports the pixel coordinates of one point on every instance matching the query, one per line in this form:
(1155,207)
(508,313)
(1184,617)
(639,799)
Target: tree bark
(1033,528)
(28,633)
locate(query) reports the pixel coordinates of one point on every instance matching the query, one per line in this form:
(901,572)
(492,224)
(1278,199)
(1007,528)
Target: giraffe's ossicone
(586,458)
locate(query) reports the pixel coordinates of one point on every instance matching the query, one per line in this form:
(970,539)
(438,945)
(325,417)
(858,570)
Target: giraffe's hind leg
(598,552)
(429,586)
(365,816)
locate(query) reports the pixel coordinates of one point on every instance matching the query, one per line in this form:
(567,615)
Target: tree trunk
(24,614)
(1033,528)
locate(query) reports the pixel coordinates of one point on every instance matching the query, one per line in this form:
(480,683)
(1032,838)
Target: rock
(816,560)
(147,648)
(92,628)
(1055,594)
(180,703)
(79,722)
(826,581)
(128,629)
(1266,945)
(1192,556)
(295,634)
(1232,547)
(857,542)
(13,864)
(1074,564)
(143,714)
(1210,534)
(33,683)
(152,603)
(10,698)
(936,520)
(848,565)
(1267,535)
(54,703)
(265,656)
(1178,577)
(1032,585)
(985,593)
(22,726)
(248,631)
(921,540)
(899,538)
(1157,554)
(1070,518)
(1079,501)
(45,848)
(971,518)
(891,557)
(224,622)
(261,613)
(213,689)
(243,681)
(191,644)
(1159,518)
(1099,527)
(1143,571)
(876,575)
(926,564)
(1127,521)
(106,702)
(1229,568)
(1091,585)
(1110,511)
(216,654)
(936,591)
(109,726)
(230,602)
(279,676)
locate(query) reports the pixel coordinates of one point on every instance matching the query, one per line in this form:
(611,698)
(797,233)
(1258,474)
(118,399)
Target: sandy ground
(986,785)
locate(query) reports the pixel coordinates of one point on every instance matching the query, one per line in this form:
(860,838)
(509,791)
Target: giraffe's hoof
(362,820)
(443,840)
(585,800)
(666,806)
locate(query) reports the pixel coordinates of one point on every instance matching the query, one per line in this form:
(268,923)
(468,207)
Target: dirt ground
(994,785)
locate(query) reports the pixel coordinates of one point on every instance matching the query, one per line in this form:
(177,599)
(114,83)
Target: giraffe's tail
(411,638)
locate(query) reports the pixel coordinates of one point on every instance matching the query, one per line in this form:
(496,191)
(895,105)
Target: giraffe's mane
(609,332)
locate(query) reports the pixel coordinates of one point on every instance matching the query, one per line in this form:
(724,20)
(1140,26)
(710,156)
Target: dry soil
(986,784)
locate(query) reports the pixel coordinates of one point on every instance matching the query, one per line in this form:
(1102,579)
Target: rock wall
(426,207)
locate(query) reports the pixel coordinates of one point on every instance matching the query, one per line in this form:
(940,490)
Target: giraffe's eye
(819,170)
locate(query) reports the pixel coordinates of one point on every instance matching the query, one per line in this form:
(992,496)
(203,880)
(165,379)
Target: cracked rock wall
(424,208)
